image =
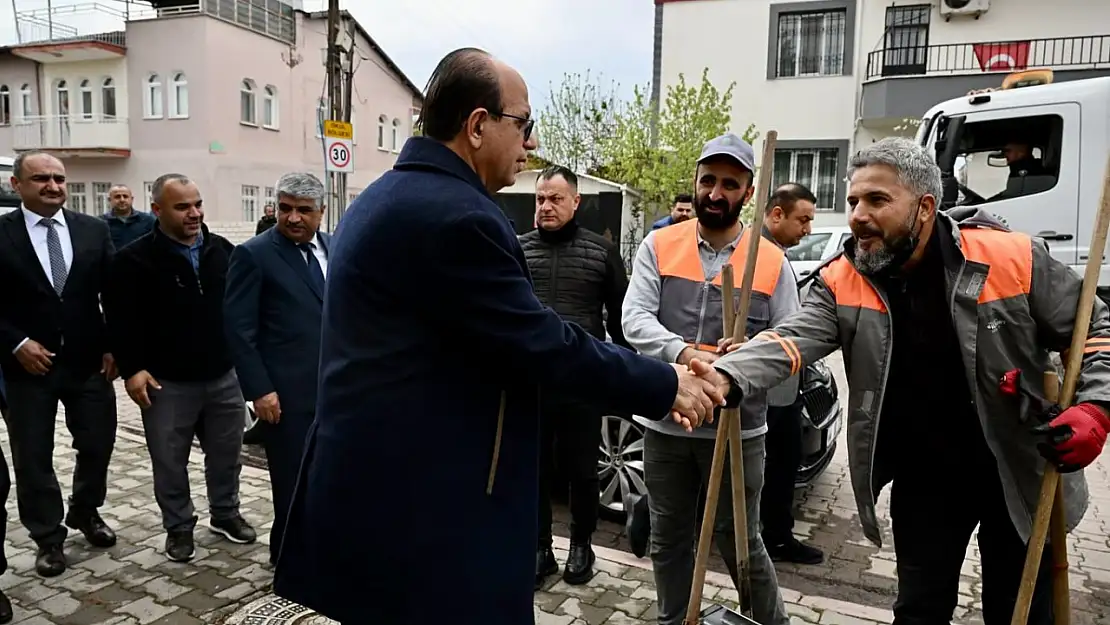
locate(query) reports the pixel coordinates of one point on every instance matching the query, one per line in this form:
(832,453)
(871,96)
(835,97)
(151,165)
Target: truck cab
(1033,156)
(8,197)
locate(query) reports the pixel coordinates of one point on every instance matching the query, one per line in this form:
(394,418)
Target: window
(148,195)
(270,107)
(179,96)
(269,197)
(5,106)
(26,108)
(152,97)
(811,247)
(249,197)
(86,100)
(76,200)
(905,50)
(382,121)
(1009,158)
(61,99)
(247,111)
(322,112)
(396,130)
(814,168)
(108,98)
(100,197)
(811,44)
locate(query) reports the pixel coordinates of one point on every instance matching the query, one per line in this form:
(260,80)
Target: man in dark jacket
(164,306)
(682,210)
(424,448)
(124,222)
(577,273)
(268,220)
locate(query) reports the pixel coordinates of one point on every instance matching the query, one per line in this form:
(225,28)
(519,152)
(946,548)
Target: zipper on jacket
(553,277)
(701,313)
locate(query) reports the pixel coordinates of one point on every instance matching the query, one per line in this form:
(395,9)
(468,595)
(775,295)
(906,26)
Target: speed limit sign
(337,147)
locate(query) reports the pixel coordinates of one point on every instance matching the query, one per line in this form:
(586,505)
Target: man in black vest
(577,273)
(55,348)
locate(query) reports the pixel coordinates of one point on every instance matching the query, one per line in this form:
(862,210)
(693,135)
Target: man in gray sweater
(672,311)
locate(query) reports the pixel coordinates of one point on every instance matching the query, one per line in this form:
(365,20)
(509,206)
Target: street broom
(1050,506)
(728,434)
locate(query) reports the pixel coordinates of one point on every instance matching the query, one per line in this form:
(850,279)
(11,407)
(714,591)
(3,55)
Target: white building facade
(832,75)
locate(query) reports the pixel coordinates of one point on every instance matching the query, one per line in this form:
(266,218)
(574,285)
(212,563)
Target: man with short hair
(268,220)
(949,319)
(125,223)
(426,435)
(164,307)
(578,273)
(273,309)
(681,210)
(787,218)
(673,312)
(55,349)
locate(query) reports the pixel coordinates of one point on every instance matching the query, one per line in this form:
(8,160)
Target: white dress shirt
(37,232)
(318,252)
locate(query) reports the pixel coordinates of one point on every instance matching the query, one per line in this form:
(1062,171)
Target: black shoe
(795,551)
(639,525)
(6,614)
(50,561)
(235,529)
(580,564)
(545,565)
(179,545)
(94,528)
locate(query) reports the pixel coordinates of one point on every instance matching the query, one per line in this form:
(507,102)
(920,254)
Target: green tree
(574,123)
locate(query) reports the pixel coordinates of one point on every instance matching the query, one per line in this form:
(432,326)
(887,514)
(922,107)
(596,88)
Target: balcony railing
(1086,52)
(69,132)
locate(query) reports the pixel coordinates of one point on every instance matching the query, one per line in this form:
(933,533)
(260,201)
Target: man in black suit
(55,348)
(273,308)
(164,304)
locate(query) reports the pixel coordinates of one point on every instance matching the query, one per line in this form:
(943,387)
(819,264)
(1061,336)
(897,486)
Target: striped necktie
(58,271)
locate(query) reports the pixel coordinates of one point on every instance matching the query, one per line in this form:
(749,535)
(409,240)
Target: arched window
(26,104)
(152,97)
(86,99)
(5,105)
(382,121)
(108,98)
(270,107)
(61,99)
(179,95)
(396,134)
(248,113)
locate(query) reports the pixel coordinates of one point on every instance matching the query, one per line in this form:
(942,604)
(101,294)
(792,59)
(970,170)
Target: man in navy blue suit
(272,309)
(424,452)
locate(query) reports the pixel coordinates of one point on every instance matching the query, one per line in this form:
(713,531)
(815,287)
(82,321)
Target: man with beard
(673,312)
(164,306)
(682,210)
(935,309)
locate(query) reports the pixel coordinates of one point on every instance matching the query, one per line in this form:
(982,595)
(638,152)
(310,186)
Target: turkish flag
(1004,57)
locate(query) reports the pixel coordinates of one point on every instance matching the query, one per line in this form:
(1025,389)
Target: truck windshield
(8,196)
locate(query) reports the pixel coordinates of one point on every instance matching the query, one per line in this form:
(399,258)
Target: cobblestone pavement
(227,583)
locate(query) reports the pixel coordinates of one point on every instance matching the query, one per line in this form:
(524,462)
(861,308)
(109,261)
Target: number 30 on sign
(337,147)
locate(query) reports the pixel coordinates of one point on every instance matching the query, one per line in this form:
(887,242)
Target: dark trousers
(5,490)
(213,412)
(90,415)
(284,443)
(784,454)
(932,519)
(570,435)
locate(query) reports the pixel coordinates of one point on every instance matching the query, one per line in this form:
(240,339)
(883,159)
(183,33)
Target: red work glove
(1074,439)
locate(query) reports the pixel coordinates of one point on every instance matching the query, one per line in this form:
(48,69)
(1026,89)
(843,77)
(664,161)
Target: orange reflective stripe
(849,287)
(1010,257)
(701,347)
(676,255)
(789,347)
(1096,344)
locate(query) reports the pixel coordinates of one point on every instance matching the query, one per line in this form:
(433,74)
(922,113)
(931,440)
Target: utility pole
(335,106)
(348,96)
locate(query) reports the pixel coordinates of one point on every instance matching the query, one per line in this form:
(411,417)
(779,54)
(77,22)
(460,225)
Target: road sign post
(338,156)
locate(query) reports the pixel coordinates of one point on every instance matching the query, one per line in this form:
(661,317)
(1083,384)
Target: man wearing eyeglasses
(54,347)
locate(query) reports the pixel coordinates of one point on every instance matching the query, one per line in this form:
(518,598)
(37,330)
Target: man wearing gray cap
(672,311)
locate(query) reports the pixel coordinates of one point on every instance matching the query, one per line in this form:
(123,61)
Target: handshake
(701,388)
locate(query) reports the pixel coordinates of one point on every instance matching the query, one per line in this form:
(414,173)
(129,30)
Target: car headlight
(821,369)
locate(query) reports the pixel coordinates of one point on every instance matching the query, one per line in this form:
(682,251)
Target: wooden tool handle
(1058,530)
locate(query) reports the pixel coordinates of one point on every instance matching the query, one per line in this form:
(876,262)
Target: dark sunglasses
(527,127)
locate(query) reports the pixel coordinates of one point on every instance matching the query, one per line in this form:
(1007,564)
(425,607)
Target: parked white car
(816,247)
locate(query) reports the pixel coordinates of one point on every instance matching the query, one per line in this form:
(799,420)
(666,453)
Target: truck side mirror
(949,131)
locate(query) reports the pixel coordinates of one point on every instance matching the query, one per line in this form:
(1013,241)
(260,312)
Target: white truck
(1065,130)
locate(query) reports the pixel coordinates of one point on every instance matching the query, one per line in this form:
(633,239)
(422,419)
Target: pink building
(227,92)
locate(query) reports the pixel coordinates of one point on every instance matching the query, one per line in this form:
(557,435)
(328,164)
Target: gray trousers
(676,470)
(213,412)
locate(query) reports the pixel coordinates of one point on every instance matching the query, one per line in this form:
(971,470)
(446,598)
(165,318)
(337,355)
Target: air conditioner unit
(973,8)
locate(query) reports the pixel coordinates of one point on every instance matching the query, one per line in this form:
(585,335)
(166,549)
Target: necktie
(58,272)
(315,271)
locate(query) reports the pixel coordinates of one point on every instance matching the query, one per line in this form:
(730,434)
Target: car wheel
(252,428)
(620,465)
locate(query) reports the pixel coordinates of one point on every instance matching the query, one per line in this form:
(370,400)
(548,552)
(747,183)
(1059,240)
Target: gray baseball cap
(730,145)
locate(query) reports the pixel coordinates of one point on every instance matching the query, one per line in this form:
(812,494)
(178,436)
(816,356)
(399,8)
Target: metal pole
(335,95)
(49,21)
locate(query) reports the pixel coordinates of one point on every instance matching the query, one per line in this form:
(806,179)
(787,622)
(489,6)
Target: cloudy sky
(542,39)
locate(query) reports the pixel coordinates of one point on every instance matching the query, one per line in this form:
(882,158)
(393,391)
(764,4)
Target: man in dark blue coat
(272,310)
(422,463)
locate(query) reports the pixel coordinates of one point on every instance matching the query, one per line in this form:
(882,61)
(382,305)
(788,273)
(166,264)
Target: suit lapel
(21,243)
(290,254)
(81,242)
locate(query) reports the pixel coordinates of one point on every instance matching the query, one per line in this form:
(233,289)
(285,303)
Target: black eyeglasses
(529,123)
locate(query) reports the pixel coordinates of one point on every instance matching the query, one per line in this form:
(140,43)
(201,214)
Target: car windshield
(811,247)
(8,196)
